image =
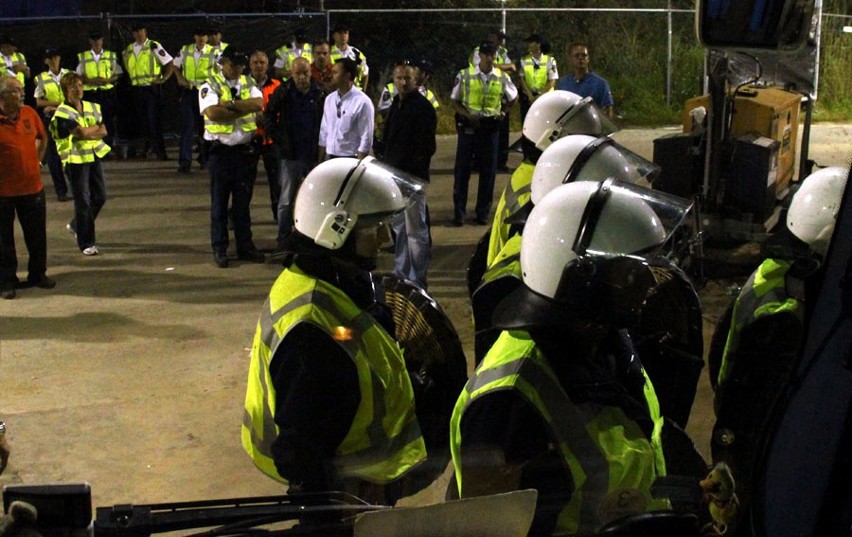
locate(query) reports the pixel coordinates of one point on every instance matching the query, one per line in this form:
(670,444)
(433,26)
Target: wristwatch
(2,428)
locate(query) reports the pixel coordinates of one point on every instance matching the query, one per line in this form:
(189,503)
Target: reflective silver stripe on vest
(512,197)
(566,420)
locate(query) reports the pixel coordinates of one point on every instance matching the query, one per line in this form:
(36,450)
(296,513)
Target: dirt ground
(130,374)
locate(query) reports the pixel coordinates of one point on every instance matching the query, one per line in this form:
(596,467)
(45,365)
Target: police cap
(7,40)
(138,25)
(95,35)
(340,28)
(488,48)
(533,38)
(236,57)
(50,52)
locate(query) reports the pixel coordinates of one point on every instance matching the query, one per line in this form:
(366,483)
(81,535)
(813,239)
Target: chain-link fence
(650,57)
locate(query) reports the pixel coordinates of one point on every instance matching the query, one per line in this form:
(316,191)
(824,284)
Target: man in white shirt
(482,97)
(347,125)
(148,65)
(229,102)
(342,49)
(192,68)
(100,71)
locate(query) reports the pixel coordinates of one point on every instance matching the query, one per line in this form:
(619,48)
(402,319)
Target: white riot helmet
(339,191)
(560,113)
(813,211)
(584,158)
(584,253)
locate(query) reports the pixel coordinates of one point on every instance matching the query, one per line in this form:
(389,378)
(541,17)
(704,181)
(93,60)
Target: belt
(216,145)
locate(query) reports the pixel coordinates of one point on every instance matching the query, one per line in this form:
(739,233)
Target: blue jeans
(89,188)
(413,241)
(191,125)
(232,172)
(290,177)
(31,212)
(483,144)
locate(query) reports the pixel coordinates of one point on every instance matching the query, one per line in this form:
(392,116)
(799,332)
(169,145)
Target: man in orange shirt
(23,142)
(267,150)
(321,65)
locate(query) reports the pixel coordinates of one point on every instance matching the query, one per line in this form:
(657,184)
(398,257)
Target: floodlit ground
(131,374)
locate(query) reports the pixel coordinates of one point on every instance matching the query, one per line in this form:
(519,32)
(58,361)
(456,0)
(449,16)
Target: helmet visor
(627,219)
(586,118)
(408,184)
(605,158)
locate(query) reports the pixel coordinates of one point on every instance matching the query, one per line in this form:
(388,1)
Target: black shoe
(183,169)
(255,256)
(221,259)
(8,291)
(504,169)
(63,197)
(454,223)
(481,221)
(44,283)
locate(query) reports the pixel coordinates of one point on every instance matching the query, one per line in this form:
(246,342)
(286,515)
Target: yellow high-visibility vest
(103,67)
(73,151)
(384,441)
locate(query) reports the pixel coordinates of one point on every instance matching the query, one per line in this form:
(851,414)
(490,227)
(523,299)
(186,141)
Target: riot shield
(436,364)
(669,340)
(476,267)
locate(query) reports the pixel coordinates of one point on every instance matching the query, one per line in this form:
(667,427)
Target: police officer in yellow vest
(285,54)
(538,73)
(481,96)
(329,404)
(194,65)
(78,129)
(48,96)
(13,61)
(342,49)
(229,102)
(764,336)
(148,65)
(100,71)
(390,91)
(561,403)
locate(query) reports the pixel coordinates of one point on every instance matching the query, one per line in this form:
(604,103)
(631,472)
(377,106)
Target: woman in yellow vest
(48,96)
(561,403)
(329,404)
(78,129)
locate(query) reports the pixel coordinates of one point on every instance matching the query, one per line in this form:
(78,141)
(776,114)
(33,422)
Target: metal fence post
(669,60)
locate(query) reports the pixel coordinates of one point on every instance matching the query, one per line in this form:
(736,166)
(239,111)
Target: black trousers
(232,173)
(146,101)
(271,156)
(31,212)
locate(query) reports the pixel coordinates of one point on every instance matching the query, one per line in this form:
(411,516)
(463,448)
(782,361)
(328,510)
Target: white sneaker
(91,250)
(71,230)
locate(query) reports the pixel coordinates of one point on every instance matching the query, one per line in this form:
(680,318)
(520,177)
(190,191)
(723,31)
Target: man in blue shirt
(583,82)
